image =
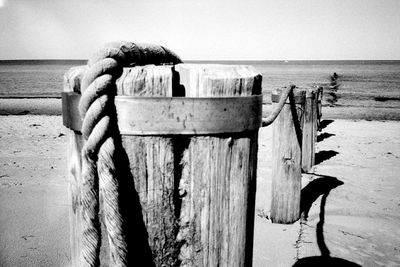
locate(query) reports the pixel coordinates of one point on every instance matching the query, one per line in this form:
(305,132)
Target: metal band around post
(176,115)
(298,99)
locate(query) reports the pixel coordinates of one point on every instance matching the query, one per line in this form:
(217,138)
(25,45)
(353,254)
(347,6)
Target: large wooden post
(309,129)
(218,177)
(152,165)
(188,199)
(286,158)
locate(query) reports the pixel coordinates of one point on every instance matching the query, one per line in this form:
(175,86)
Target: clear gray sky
(204,29)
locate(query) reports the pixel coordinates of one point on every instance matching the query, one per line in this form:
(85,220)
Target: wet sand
(358,220)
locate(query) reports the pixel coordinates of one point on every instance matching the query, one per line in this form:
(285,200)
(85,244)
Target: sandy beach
(357,220)
(192,201)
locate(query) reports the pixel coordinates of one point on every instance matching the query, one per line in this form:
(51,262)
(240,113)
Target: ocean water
(361,83)
(34,78)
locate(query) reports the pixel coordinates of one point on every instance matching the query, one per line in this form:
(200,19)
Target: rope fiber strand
(100,131)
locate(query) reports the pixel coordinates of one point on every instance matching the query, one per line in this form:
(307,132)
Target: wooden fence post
(320,92)
(188,198)
(218,176)
(286,158)
(72,84)
(309,130)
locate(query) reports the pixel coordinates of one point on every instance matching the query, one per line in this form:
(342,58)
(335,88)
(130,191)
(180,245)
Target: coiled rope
(282,100)
(100,131)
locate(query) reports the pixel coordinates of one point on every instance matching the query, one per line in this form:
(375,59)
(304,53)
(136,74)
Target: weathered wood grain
(309,130)
(218,177)
(187,200)
(72,79)
(148,80)
(152,165)
(75,143)
(74,178)
(320,92)
(152,156)
(286,161)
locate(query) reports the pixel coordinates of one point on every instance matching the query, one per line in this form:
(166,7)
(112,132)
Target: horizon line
(207,60)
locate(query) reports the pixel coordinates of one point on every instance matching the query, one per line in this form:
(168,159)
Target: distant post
(309,129)
(286,159)
(320,92)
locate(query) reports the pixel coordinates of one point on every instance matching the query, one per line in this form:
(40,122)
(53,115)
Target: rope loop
(282,100)
(98,152)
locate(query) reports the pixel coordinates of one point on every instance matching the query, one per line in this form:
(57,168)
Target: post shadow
(325,123)
(133,226)
(139,250)
(324,136)
(310,193)
(321,186)
(131,210)
(134,229)
(324,155)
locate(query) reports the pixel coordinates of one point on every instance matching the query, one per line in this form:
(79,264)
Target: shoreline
(52,106)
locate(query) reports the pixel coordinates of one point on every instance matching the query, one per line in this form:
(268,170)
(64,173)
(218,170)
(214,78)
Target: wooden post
(218,177)
(189,199)
(320,92)
(152,166)
(309,130)
(286,159)
(150,172)
(72,84)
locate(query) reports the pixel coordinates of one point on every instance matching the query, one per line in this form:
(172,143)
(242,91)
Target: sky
(204,29)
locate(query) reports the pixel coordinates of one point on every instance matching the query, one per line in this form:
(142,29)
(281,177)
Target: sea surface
(361,83)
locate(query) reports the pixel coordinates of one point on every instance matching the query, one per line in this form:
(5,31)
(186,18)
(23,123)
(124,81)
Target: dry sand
(361,221)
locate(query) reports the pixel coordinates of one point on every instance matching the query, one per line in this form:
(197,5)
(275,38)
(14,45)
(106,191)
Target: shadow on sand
(310,193)
(325,123)
(324,136)
(323,155)
(324,261)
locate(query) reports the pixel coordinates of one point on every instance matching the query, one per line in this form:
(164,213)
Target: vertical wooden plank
(309,130)
(152,166)
(286,162)
(148,80)
(218,177)
(320,92)
(74,168)
(151,176)
(75,143)
(72,81)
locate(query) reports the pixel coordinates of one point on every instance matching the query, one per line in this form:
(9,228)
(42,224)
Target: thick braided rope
(99,128)
(285,94)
